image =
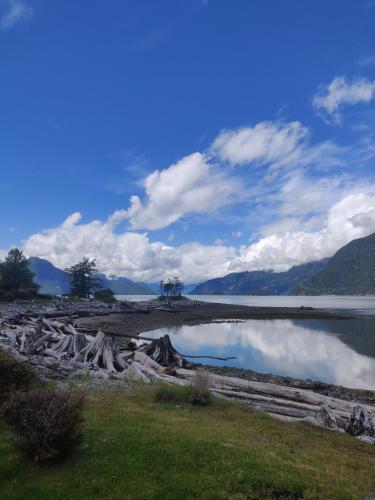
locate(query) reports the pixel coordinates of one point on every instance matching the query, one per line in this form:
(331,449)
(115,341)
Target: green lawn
(135,448)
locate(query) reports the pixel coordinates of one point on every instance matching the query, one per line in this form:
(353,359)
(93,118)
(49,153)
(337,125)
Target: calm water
(339,352)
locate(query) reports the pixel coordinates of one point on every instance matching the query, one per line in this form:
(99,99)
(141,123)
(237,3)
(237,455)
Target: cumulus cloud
(135,256)
(350,218)
(191,185)
(340,92)
(14,12)
(274,144)
(126,254)
(266,143)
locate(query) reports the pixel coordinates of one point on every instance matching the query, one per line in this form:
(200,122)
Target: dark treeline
(172,287)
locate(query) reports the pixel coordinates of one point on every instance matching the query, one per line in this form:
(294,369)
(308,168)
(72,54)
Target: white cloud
(274,144)
(126,254)
(283,347)
(15,11)
(350,218)
(266,143)
(135,256)
(342,91)
(237,234)
(191,185)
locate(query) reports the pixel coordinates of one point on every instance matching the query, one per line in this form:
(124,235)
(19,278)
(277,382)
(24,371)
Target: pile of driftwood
(59,349)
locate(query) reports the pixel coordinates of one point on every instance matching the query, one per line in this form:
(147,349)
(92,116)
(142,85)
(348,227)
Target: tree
(105,295)
(172,287)
(83,278)
(16,279)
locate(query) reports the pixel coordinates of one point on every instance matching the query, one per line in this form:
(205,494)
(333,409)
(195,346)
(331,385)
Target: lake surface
(333,351)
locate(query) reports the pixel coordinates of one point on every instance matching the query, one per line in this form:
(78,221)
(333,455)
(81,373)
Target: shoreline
(192,312)
(195,313)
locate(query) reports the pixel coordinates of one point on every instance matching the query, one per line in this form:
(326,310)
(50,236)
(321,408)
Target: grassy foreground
(135,448)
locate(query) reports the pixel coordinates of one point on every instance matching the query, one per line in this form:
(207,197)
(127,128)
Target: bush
(105,296)
(167,393)
(14,375)
(201,388)
(197,393)
(47,423)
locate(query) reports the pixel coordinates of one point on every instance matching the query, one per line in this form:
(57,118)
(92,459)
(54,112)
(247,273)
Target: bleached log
(259,400)
(367,439)
(361,423)
(102,352)
(133,373)
(146,361)
(326,417)
(162,351)
(286,392)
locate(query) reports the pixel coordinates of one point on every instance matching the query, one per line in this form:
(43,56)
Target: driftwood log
(52,342)
(162,351)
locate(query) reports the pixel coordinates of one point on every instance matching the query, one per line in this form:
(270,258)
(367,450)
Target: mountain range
(351,271)
(53,281)
(260,282)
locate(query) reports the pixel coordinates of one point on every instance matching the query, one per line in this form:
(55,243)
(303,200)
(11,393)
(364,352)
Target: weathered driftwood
(102,352)
(361,423)
(69,346)
(61,350)
(162,351)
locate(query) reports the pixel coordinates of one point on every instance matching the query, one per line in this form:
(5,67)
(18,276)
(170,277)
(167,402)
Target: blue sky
(193,137)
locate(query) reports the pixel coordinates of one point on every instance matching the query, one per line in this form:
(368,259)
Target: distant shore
(193,312)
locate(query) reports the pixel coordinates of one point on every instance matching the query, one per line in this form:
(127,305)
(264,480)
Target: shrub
(167,393)
(105,296)
(197,393)
(47,423)
(14,375)
(201,388)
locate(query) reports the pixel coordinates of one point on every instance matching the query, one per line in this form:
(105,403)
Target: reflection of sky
(278,346)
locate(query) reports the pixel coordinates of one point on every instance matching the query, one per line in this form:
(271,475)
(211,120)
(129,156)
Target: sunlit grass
(137,448)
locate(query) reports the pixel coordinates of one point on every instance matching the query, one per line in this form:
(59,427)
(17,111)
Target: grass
(135,448)
(189,394)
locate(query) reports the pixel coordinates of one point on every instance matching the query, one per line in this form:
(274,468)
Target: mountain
(155,287)
(351,271)
(260,282)
(53,281)
(125,286)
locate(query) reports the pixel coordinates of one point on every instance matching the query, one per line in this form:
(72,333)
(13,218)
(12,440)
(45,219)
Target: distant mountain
(53,281)
(155,287)
(125,286)
(351,271)
(260,282)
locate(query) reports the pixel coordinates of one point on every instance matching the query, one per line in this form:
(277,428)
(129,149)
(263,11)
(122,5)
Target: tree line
(17,281)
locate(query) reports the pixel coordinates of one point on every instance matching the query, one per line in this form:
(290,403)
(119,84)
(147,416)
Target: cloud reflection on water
(280,347)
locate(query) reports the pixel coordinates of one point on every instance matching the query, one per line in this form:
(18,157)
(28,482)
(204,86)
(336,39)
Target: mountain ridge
(351,271)
(53,281)
(259,282)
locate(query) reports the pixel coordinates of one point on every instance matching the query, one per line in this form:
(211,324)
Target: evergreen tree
(16,279)
(83,278)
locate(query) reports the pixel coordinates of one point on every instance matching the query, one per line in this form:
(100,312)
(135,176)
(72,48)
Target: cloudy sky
(186,137)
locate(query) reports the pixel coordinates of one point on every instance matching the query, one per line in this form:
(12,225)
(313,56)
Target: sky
(186,137)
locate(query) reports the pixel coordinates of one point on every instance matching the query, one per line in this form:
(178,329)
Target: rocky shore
(69,339)
(136,318)
(160,314)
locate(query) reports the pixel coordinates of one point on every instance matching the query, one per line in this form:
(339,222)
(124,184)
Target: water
(361,305)
(333,351)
